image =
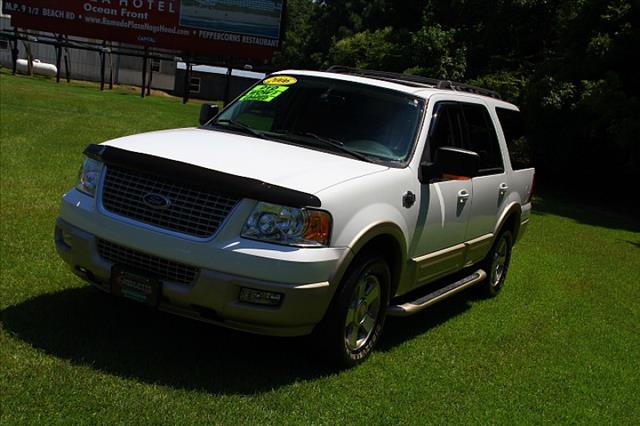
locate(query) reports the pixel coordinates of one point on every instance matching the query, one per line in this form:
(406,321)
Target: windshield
(365,122)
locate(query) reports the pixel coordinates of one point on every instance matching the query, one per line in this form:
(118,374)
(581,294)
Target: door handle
(463,196)
(503,188)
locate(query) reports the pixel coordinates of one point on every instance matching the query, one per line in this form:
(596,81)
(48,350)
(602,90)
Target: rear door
(490,188)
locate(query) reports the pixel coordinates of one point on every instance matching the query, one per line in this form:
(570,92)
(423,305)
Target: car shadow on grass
(93,329)
(97,330)
(399,330)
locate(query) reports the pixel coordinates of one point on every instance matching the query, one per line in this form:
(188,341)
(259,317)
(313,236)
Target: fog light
(67,238)
(259,297)
(62,236)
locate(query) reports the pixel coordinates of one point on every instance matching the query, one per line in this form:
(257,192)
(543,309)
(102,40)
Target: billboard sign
(241,28)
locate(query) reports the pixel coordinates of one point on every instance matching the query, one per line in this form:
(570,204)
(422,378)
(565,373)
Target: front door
(445,207)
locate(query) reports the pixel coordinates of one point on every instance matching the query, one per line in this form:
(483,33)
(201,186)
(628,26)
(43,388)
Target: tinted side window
(446,128)
(482,138)
(514,133)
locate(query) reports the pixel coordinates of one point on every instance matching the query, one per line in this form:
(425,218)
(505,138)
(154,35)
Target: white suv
(316,202)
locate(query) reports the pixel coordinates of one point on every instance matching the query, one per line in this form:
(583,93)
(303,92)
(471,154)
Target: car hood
(277,163)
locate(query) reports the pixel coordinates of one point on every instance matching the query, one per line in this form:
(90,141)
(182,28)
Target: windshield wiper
(333,143)
(320,138)
(237,125)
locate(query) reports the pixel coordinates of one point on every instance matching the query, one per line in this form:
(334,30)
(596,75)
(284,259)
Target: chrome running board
(442,293)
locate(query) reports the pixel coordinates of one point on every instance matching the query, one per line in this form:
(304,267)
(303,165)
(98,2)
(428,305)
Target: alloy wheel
(363,312)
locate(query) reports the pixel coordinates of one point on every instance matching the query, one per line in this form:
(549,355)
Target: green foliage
(557,94)
(587,91)
(296,52)
(509,84)
(437,54)
(367,49)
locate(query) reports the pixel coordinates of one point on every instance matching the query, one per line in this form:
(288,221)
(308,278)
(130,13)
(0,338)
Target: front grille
(162,268)
(190,211)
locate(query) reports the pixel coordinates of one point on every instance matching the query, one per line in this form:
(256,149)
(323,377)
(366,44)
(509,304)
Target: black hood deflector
(201,177)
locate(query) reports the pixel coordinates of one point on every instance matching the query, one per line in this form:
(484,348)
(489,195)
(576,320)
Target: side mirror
(207,112)
(451,163)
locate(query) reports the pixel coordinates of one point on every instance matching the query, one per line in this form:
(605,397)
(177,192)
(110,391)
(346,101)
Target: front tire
(354,322)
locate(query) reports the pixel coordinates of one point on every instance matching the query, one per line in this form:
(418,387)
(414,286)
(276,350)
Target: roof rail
(415,80)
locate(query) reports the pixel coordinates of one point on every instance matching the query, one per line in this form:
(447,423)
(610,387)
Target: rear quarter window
(514,133)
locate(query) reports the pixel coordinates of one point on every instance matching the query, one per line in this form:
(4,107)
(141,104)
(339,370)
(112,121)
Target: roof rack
(415,80)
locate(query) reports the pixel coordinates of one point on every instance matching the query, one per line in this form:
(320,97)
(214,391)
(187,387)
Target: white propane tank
(40,68)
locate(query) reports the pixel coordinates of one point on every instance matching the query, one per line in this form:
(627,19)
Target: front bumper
(213,296)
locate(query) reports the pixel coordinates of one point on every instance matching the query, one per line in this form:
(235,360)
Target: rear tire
(353,324)
(496,264)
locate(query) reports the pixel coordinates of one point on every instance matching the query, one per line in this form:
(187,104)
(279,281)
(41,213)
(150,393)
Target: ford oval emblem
(156,201)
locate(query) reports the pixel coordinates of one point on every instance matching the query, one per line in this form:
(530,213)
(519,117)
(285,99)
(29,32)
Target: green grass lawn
(561,344)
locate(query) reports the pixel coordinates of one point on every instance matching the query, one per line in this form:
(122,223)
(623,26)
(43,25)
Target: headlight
(288,225)
(89,176)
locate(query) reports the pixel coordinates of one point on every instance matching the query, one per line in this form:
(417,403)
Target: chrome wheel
(363,312)
(499,263)
(353,324)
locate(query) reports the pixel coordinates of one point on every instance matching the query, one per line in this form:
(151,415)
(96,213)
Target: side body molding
(410,273)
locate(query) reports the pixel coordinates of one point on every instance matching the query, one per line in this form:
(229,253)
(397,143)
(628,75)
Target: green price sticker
(264,93)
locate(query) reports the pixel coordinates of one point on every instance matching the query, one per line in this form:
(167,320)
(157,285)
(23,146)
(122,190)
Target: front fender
(367,209)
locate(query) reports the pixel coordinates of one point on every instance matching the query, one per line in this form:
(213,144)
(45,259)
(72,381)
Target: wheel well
(389,248)
(512,223)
